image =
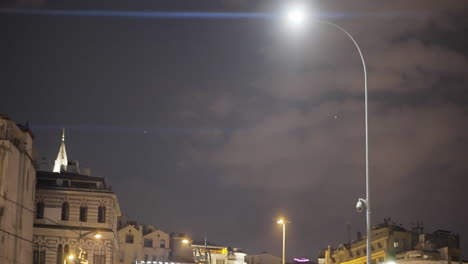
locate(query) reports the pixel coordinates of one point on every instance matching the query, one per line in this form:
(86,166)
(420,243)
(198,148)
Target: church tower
(61,162)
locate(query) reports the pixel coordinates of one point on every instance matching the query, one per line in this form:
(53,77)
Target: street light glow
(97,235)
(185,241)
(280,221)
(71,257)
(296,15)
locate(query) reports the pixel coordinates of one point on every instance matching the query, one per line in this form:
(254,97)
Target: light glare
(296,16)
(185,241)
(280,221)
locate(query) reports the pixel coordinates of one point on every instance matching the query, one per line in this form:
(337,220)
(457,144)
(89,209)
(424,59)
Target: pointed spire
(61,162)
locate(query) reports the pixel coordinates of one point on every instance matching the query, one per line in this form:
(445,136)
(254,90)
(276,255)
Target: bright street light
(297,16)
(97,236)
(69,257)
(185,241)
(280,221)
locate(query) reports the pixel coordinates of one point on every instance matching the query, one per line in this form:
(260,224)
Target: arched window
(40,210)
(66,252)
(65,211)
(59,254)
(102,214)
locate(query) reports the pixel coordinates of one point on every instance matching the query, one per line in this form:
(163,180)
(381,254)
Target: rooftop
(71,181)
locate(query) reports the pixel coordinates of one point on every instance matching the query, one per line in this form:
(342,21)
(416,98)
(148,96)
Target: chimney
(86,171)
(359,236)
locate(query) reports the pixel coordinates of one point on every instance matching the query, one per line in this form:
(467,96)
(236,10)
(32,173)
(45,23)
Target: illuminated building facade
(17,177)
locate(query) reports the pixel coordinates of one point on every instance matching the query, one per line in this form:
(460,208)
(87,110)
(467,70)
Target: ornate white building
(17,176)
(75,214)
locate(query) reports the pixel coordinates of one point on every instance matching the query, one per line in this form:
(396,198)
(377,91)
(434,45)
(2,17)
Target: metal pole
(368,204)
(284,242)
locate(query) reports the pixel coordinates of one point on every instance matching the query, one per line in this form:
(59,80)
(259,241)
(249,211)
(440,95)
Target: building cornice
(73,228)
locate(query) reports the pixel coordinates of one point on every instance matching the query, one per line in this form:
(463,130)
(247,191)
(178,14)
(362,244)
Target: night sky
(221,125)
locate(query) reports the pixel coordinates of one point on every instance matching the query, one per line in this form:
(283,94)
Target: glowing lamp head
(296,16)
(71,257)
(185,241)
(97,236)
(280,221)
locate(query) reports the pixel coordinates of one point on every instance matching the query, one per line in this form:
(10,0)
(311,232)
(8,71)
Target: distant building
(439,247)
(181,248)
(17,177)
(263,258)
(217,254)
(394,243)
(142,244)
(75,214)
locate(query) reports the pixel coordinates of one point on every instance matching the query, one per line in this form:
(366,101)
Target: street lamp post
(297,16)
(283,222)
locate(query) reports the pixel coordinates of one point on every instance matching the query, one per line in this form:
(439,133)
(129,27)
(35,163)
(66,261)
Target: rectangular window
(101,214)
(162,243)
(83,214)
(129,239)
(42,257)
(36,257)
(65,211)
(148,243)
(40,210)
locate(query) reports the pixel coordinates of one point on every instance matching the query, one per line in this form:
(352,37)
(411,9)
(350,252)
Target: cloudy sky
(220,125)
